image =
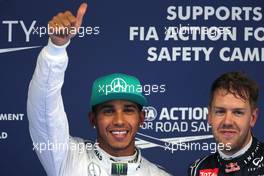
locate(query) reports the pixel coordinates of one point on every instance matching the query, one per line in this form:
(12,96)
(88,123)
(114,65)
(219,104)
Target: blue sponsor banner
(176,49)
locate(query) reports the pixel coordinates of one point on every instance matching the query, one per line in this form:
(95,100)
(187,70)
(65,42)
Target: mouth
(228,134)
(119,134)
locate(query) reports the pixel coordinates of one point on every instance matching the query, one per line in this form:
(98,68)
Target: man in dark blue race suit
(232,114)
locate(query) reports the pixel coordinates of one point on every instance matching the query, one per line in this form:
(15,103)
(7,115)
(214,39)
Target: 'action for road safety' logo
(150,113)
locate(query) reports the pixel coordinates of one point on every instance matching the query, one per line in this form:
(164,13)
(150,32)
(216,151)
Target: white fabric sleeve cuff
(53,49)
(55,52)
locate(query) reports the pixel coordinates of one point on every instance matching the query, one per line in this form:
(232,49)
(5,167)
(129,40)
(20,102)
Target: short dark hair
(238,84)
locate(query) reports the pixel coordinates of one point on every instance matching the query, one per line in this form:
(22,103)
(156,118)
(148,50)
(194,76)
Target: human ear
(92,119)
(209,116)
(254,117)
(142,117)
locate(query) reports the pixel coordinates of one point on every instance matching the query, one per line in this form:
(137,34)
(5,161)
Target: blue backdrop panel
(129,37)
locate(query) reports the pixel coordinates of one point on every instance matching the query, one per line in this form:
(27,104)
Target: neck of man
(130,150)
(227,155)
(117,158)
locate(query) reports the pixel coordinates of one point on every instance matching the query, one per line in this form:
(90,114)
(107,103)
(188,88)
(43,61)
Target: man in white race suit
(116,114)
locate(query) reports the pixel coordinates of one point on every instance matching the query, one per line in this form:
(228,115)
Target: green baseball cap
(117,86)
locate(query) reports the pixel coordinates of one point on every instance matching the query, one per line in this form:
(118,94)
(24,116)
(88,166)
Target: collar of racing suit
(237,154)
(132,163)
(238,163)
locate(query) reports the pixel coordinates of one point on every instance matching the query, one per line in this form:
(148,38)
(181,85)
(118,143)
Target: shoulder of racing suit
(250,163)
(202,164)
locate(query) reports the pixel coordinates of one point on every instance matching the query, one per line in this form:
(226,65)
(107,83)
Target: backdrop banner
(176,48)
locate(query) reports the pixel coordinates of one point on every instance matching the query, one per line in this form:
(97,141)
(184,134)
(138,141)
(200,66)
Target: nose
(228,119)
(119,119)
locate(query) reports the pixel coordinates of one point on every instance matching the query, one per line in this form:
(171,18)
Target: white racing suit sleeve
(48,124)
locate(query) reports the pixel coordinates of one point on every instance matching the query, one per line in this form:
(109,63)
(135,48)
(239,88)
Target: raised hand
(65,25)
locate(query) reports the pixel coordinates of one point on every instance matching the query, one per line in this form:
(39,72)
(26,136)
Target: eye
(129,110)
(239,113)
(219,112)
(108,111)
